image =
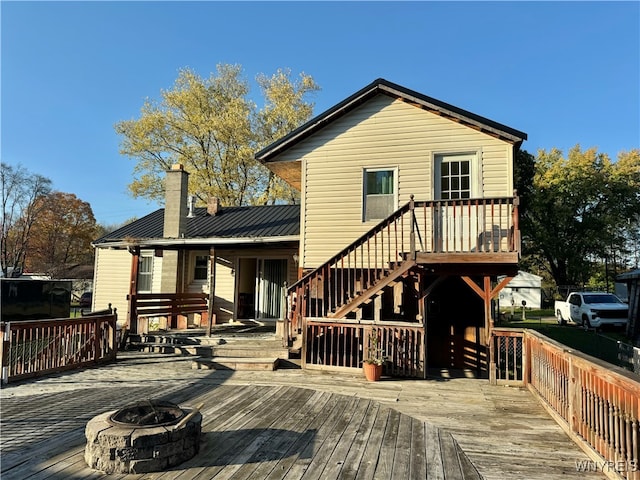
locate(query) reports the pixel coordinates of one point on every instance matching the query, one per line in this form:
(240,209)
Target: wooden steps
(257,353)
(236,363)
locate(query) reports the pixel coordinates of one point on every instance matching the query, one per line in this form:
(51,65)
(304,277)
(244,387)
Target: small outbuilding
(525,287)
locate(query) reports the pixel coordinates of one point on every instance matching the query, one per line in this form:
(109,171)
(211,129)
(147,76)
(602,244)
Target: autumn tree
(20,192)
(214,129)
(61,234)
(581,208)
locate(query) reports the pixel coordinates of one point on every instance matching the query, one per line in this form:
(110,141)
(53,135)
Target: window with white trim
(201,267)
(145,271)
(455,176)
(380,186)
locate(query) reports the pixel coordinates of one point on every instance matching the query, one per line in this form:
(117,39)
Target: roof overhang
(176,243)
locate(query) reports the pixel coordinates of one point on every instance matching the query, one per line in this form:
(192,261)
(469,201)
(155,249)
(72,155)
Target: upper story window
(145,271)
(455,177)
(200,269)
(380,187)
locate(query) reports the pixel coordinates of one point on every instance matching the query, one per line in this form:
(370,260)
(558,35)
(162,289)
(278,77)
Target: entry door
(271,279)
(455,180)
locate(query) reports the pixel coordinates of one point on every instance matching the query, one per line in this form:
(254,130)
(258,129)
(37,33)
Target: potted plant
(372,364)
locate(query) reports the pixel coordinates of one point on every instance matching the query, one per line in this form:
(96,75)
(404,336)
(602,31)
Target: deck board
(292,424)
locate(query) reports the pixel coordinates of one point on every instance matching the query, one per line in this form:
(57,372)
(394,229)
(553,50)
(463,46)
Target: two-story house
(408,216)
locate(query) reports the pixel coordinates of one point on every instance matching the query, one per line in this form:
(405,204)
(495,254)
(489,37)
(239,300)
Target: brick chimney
(213,206)
(176,184)
(175,202)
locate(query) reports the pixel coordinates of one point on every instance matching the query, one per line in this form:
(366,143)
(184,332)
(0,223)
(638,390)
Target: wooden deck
(293,424)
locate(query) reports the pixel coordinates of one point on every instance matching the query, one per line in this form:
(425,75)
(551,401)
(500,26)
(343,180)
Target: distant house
(525,287)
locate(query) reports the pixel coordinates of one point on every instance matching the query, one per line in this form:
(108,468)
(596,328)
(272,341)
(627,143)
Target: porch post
(212,289)
(488,323)
(132,320)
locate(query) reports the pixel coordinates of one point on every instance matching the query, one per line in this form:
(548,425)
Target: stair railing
(482,226)
(356,268)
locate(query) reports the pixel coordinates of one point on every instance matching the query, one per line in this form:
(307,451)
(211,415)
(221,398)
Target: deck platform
(293,424)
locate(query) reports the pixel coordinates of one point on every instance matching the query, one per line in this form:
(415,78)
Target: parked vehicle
(85,300)
(592,309)
(29,299)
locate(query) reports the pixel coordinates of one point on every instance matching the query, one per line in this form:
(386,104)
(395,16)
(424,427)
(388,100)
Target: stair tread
(239,359)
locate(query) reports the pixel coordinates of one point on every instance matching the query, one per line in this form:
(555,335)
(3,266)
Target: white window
(455,177)
(200,269)
(145,270)
(380,199)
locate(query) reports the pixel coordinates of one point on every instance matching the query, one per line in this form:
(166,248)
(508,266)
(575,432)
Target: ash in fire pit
(144,437)
(148,413)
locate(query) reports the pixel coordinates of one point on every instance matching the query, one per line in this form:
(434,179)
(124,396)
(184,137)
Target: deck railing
(169,305)
(341,345)
(598,404)
(479,226)
(37,347)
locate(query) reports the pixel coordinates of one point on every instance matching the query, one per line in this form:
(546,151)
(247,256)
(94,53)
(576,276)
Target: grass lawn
(602,345)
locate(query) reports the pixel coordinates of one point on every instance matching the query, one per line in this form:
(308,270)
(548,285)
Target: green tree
(61,235)
(20,192)
(214,129)
(581,209)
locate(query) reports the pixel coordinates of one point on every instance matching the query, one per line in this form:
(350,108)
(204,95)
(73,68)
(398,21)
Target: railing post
(97,353)
(4,351)
(412,230)
(492,361)
(516,222)
(286,334)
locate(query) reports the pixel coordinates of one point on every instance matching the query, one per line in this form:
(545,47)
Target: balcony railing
(473,229)
(596,403)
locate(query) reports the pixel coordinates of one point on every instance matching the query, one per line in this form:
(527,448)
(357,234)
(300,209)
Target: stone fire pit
(148,436)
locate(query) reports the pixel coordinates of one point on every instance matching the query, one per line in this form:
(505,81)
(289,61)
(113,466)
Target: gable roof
(382,86)
(269,223)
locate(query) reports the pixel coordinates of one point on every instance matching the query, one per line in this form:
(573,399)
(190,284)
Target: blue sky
(564,73)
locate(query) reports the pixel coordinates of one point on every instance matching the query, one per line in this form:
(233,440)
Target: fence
(34,348)
(596,403)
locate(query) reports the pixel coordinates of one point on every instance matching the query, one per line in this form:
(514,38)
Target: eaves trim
(385,87)
(192,242)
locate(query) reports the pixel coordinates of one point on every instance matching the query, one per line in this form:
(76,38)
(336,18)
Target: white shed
(525,287)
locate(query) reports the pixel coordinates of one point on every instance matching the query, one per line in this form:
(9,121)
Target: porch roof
(254,224)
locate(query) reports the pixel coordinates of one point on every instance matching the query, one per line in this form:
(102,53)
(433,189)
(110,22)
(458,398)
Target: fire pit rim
(155,404)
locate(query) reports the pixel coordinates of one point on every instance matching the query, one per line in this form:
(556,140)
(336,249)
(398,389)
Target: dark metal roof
(382,86)
(229,222)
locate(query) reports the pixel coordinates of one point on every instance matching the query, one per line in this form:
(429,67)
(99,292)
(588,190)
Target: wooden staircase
(391,277)
(218,352)
(435,232)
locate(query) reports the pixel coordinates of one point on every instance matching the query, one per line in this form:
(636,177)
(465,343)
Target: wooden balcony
(472,236)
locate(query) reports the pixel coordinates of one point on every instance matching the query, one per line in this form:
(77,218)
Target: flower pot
(372,372)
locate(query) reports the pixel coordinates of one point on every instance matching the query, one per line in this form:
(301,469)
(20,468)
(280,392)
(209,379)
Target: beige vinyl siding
(383,133)
(226,270)
(156,272)
(111,281)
